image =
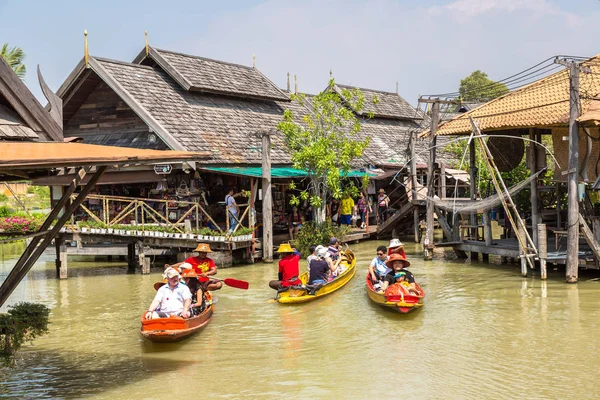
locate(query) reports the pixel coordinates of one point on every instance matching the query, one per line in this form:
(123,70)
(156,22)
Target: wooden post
(63,262)
(542,237)
(572,270)
(267,199)
(131,262)
(428,244)
(533,164)
(487,228)
(473,189)
(522,251)
(57,244)
(413,177)
(442,193)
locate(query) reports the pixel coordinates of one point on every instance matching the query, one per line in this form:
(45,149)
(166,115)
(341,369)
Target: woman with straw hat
(289,268)
(203,266)
(383,202)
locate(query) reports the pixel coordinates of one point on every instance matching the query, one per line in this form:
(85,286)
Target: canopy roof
(276,172)
(542,104)
(27,159)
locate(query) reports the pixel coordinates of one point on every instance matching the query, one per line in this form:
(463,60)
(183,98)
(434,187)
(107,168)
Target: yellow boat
(296,295)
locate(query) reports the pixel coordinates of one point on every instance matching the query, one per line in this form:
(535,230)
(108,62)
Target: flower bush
(19,224)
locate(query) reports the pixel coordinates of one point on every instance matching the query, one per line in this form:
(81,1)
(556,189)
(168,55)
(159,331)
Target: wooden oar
(236,283)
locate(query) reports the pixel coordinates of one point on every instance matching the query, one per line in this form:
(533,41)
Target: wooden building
(564,107)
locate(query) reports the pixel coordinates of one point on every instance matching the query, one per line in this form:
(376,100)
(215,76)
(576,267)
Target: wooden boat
(173,329)
(293,295)
(402,304)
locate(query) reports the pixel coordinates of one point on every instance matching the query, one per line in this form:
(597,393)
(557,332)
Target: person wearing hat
(289,268)
(383,202)
(174,298)
(320,268)
(203,266)
(399,273)
(396,246)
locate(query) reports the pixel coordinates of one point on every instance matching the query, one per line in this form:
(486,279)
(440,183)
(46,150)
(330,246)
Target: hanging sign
(163,169)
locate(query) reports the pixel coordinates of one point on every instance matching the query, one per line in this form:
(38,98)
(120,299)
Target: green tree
(478,87)
(324,144)
(14,56)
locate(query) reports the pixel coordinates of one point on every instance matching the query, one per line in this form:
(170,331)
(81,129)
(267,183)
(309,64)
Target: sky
(427,46)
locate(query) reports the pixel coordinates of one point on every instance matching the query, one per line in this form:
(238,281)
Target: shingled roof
(201,74)
(12,127)
(544,103)
(383,104)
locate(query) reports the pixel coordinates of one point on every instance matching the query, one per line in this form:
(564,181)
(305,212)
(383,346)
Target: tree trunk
(318,212)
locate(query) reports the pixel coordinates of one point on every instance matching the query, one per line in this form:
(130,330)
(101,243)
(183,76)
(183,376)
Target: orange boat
(174,329)
(404,303)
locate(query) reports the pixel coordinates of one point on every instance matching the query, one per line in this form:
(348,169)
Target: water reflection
(484,332)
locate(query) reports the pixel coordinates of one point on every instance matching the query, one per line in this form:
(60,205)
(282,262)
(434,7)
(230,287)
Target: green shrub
(22,323)
(4,211)
(315,234)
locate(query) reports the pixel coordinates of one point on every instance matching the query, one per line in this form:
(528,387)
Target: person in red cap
(203,266)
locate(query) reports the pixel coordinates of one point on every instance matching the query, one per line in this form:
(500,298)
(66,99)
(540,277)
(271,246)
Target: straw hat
(396,257)
(203,248)
(382,190)
(285,248)
(395,243)
(189,273)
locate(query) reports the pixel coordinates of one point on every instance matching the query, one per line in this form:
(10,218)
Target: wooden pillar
(522,251)
(143,261)
(572,270)
(413,177)
(558,206)
(131,261)
(473,189)
(428,243)
(455,227)
(533,165)
(442,193)
(57,243)
(542,237)
(267,198)
(63,272)
(487,228)
(596,230)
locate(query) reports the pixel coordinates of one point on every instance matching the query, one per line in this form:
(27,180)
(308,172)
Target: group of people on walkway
(389,268)
(323,265)
(186,283)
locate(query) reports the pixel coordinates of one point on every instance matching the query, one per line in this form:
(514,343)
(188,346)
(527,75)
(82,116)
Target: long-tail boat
(173,329)
(402,303)
(302,293)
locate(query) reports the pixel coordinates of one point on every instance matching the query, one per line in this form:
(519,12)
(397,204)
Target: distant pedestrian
(383,202)
(232,210)
(346,208)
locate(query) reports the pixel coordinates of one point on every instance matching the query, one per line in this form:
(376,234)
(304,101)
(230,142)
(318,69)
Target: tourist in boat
(295,221)
(383,202)
(203,266)
(289,268)
(173,298)
(320,268)
(363,206)
(190,278)
(334,249)
(313,255)
(378,269)
(346,209)
(396,246)
(399,273)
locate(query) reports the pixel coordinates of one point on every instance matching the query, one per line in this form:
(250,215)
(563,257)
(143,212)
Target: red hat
(396,257)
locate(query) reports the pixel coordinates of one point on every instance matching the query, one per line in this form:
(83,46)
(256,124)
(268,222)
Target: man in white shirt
(173,298)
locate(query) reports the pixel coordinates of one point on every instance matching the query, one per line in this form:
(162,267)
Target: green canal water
(484,333)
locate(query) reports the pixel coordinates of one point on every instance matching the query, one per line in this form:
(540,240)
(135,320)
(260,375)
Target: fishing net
(481,205)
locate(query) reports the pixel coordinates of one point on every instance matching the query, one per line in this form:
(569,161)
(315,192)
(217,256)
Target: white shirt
(171,301)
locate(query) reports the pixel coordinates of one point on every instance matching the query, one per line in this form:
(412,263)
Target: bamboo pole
(542,236)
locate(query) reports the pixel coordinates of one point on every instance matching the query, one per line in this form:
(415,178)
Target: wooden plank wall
(103,118)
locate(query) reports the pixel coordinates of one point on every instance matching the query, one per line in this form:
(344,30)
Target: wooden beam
(589,237)
(267,208)
(572,269)
(428,243)
(443,221)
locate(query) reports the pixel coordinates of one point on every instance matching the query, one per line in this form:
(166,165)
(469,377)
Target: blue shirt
(230,203)
(379,265)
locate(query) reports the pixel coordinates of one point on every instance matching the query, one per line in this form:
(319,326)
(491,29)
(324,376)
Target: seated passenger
(399,273)
(396,246)
(320,268)
(174,298)
(334,249)
(377,269)
(190,277)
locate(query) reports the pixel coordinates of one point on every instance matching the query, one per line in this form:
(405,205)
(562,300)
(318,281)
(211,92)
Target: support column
(542,236)
(572,270)
(267,199)
(131,261)
(143,261)
(522,251)
(57,244)
(428,244)
(487,228)
(63,272)
(473,190)
(533,165)
(413,177)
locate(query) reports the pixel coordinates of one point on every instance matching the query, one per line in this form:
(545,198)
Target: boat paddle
(236,283)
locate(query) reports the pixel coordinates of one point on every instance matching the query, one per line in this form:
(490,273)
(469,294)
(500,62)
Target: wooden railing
(149,212)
